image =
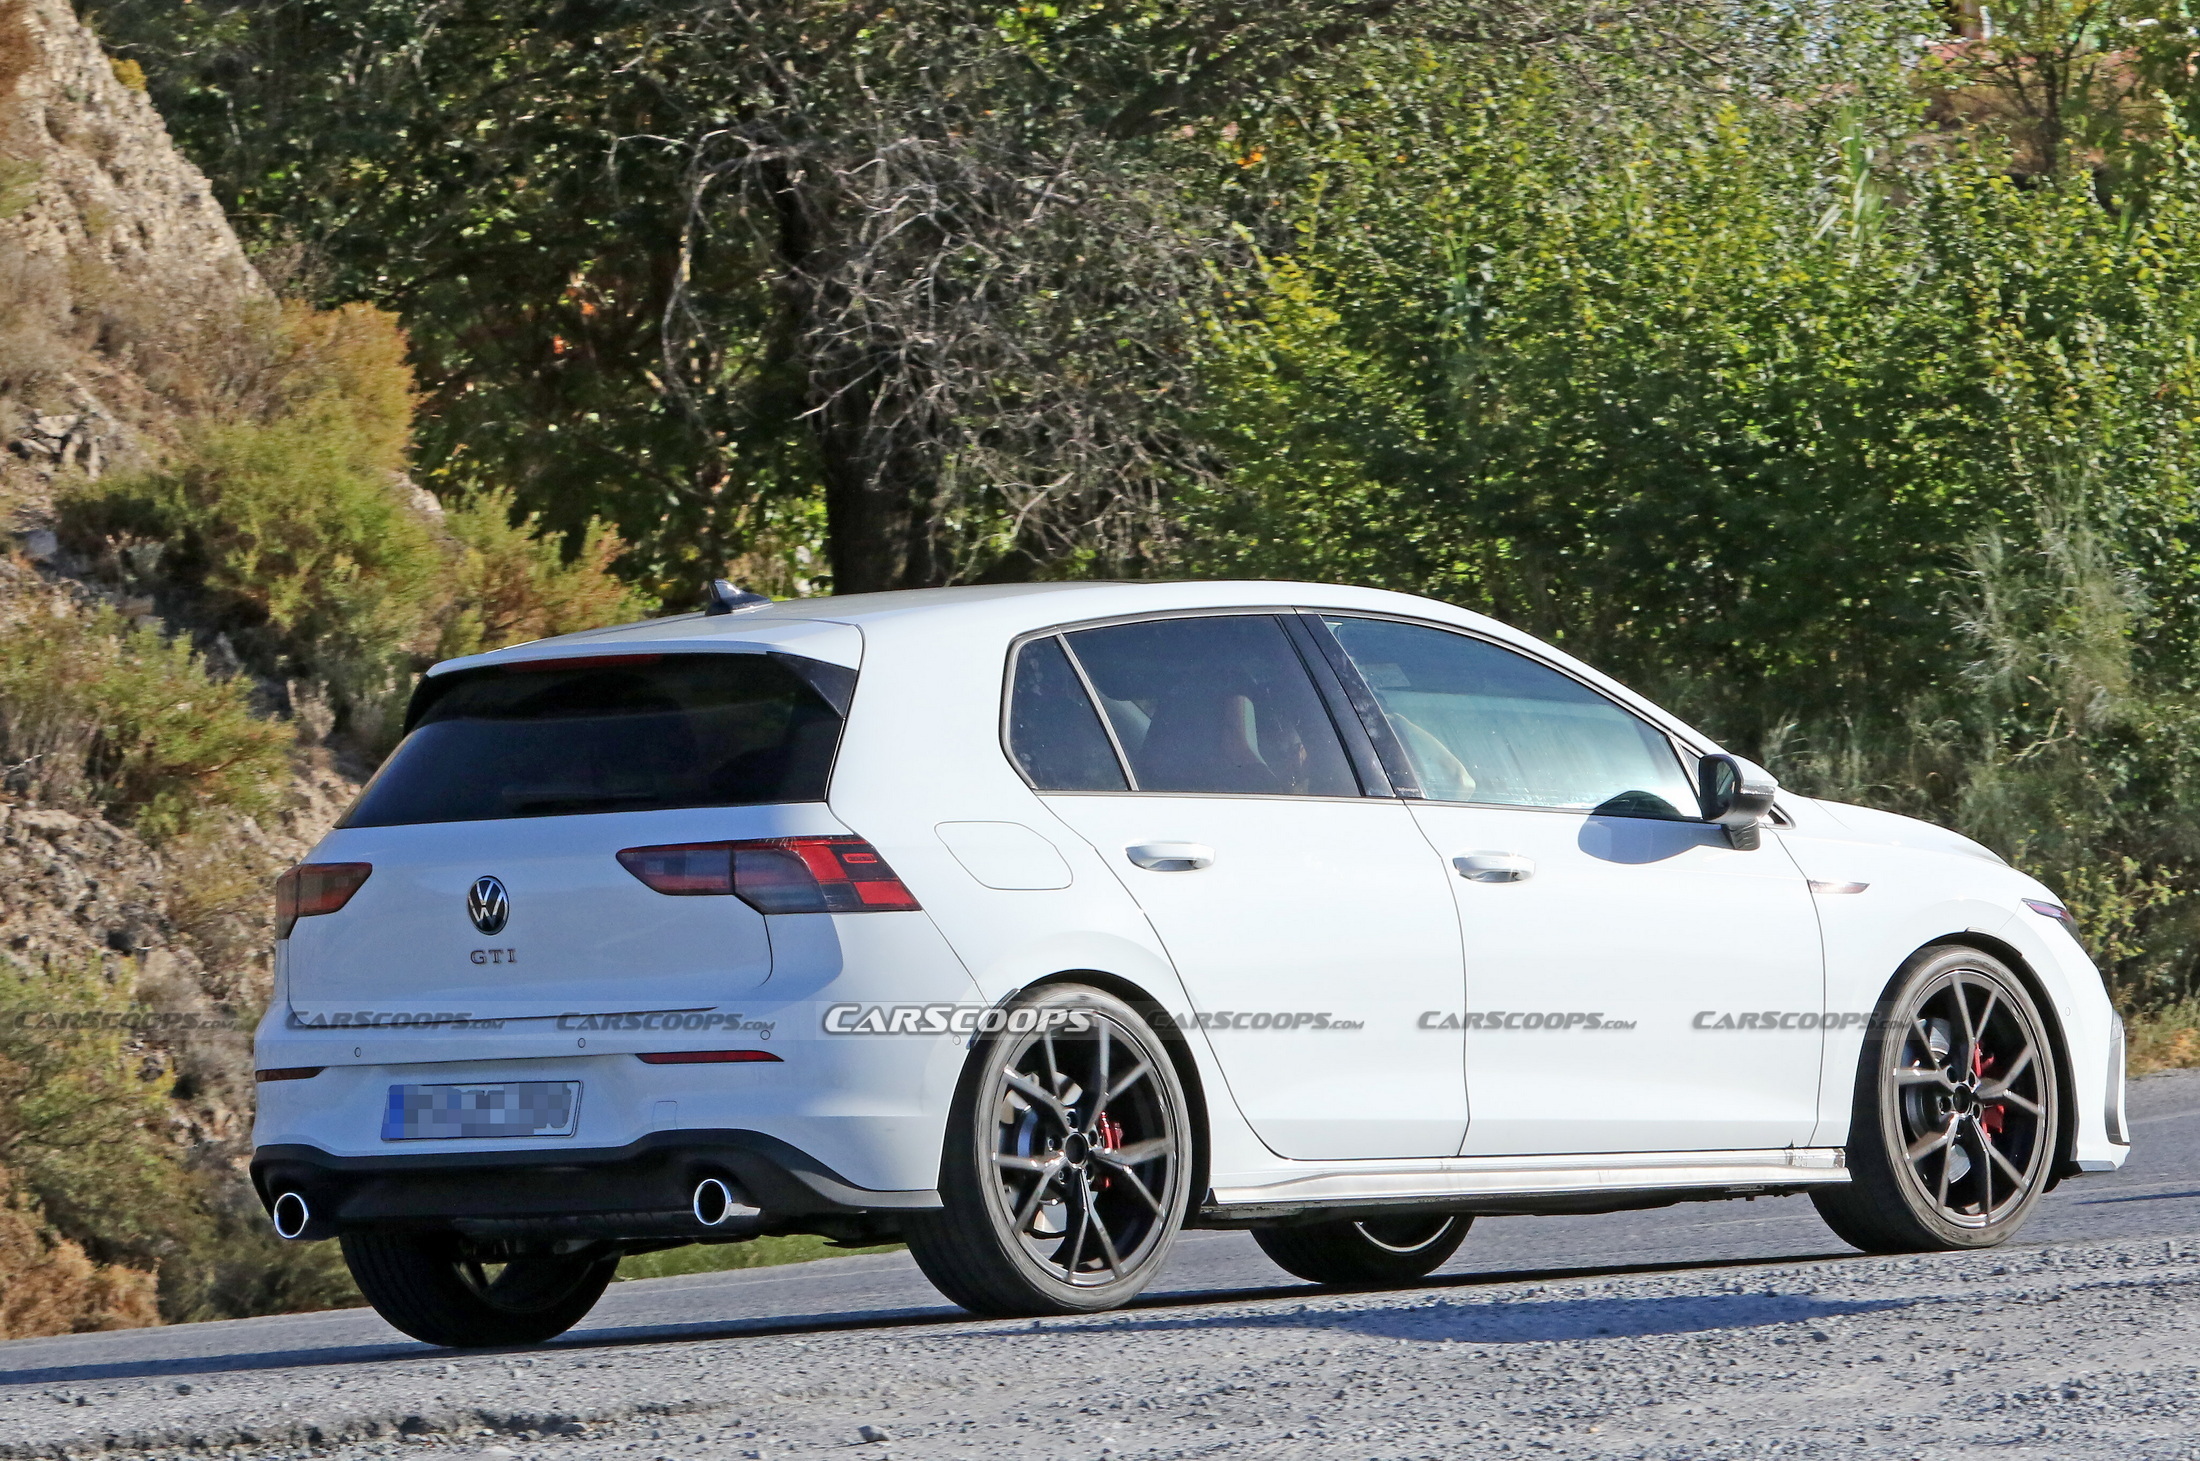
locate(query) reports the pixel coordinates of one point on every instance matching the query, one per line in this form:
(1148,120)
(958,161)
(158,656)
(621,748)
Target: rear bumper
(640,1191)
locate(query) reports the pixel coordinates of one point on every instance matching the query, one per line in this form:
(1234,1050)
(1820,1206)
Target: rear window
(616,734)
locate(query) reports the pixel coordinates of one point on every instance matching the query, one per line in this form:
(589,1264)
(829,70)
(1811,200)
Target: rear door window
(1217,703)
(622,733)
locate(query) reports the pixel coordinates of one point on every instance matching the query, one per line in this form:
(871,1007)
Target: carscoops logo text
(1521,1020)
(951,1019)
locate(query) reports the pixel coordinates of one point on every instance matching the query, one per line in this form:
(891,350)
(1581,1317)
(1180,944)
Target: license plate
(446,1113)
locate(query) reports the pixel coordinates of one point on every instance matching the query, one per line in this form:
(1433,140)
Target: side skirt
(1505,1186)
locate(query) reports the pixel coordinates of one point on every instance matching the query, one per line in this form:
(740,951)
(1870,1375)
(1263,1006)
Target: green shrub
(86,1143)
(100,714)
(514,584)
(285,529)
(81,1116)
(284,515)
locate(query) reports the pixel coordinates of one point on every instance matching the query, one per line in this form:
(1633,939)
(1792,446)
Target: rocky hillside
(216,584)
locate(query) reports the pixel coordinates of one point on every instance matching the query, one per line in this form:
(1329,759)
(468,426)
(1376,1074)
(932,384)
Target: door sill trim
(1472,1177)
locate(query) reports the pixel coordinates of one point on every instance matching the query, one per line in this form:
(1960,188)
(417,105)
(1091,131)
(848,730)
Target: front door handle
(1494,867)
(1171,857)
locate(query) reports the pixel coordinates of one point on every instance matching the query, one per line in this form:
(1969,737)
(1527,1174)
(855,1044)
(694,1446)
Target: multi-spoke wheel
(1365,1250)
(1065,1169)
(439,1289)
(1954,1132)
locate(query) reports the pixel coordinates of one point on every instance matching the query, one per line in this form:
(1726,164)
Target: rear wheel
(1954,1131)
(1065,1169)
(437,1289)
(1367,1250)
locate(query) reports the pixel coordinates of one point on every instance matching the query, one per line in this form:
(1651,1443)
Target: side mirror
(1737,795)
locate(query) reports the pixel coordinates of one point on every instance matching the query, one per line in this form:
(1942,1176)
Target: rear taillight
(776,874)
(709,1057)
(313,888)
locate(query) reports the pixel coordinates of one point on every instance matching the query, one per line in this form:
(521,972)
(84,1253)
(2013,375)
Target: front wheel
(441,1291)
(1954,1131)
(1064,1177)
(1365,1251)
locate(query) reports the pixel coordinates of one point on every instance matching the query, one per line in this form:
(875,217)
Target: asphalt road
(1703,1329)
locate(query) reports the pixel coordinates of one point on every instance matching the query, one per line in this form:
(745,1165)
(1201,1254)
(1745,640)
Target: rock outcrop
(121,285)
(114,256)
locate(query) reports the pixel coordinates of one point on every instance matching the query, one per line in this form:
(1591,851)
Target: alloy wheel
(1085,1153)
(1971,1092)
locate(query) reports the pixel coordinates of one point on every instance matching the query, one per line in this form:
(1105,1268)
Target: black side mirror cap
(1736,795)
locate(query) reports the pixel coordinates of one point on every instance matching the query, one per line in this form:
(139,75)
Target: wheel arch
(1180,1056)
(2058,1040)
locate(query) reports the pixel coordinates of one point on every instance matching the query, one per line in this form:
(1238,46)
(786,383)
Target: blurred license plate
(521,1108)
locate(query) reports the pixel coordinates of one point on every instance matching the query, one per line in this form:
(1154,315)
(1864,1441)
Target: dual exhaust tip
(293,1216)
(715,1204)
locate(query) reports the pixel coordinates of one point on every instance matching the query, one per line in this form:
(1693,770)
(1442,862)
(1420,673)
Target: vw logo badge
(488,905)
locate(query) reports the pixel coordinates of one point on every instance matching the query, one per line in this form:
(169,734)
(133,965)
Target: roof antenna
(721,597)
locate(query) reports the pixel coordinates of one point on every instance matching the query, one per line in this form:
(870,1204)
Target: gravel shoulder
(1697,1331)
(2076,1350)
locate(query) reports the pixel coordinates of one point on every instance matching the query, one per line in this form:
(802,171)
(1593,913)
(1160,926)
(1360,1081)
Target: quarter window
(1216,703)
(1053,731)
(1483,724)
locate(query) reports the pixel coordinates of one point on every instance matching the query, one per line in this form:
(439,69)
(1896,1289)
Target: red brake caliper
(1111,1137)
(1993,1113)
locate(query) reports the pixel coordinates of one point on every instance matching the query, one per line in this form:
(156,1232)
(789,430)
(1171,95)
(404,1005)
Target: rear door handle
(1494,867)
(1171,857)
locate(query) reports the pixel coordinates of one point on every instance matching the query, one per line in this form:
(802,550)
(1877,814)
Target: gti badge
(488,905)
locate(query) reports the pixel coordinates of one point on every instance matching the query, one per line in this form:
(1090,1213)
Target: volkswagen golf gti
(1033,924)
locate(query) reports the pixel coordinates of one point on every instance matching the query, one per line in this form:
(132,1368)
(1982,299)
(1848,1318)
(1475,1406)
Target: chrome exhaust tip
(717,1203)
(291,1215)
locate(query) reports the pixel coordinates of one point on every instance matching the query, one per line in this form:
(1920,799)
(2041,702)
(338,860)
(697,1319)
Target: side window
(1215,704)
(1053,731)
(1482,724)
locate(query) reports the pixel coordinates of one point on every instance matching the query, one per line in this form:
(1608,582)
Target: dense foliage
(1826,371)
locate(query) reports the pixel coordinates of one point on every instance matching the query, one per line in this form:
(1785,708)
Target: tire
(1064,1177)
(1365,1251)
(428,1285)
(1957,1116)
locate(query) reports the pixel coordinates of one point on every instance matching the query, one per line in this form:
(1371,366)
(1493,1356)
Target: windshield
(622,733)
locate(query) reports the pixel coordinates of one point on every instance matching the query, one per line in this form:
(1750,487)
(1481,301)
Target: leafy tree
(1868,449)
(698,267)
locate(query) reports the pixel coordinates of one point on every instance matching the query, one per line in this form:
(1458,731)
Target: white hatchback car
(1030,924)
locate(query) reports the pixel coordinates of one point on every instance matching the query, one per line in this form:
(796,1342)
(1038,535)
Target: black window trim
(1284,613)
(1359,698)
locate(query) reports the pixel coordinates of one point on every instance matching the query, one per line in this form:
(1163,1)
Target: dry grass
(217,885)
(2165,1038)
(755,1253)
(49,1286)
